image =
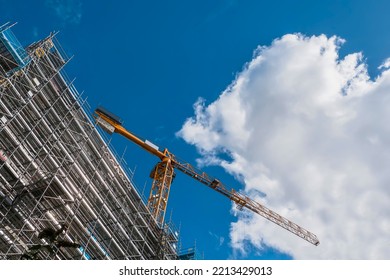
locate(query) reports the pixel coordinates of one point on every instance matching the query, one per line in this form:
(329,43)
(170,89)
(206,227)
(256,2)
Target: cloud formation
(307,134)
(68,11)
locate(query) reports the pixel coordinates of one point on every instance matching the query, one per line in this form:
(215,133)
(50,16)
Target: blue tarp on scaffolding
(12,54)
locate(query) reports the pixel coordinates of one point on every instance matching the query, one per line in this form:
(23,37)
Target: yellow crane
(163,173)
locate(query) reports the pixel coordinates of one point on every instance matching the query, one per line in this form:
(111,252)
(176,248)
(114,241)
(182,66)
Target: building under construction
(64,193)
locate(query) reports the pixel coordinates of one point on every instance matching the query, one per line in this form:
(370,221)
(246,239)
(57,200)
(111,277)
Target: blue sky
(150,61)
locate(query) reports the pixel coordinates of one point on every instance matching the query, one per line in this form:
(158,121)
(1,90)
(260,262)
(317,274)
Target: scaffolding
(58,173)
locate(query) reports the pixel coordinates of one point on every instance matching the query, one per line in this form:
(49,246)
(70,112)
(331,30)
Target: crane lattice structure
(163,173)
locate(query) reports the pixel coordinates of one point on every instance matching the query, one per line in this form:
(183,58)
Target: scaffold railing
(63,192)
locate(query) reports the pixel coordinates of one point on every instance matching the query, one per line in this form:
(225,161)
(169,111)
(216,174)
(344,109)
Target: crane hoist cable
(163,174)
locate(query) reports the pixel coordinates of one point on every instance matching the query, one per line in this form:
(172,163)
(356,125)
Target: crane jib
(243,201)
(112,124)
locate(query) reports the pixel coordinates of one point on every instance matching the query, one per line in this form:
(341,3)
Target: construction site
(57,171)
(64,191)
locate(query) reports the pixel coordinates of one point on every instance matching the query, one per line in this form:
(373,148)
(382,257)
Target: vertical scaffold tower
(63,193)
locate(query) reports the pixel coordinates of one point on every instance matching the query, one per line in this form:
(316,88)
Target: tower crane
(163,174)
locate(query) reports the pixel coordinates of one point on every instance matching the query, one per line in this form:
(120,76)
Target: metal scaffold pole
(58,174)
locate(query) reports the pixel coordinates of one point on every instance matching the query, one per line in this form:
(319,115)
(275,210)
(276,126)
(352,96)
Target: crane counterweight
(110,115)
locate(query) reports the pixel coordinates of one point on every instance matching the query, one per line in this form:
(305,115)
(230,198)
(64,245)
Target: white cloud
(68,11)
(309,130)
(385,64)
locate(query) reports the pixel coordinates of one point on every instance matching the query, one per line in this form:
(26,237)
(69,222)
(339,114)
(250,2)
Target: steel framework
(57,170)
(162,176)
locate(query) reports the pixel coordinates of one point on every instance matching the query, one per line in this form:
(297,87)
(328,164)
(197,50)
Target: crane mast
(163,174)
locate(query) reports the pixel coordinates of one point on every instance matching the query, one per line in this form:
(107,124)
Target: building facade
(63,192)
